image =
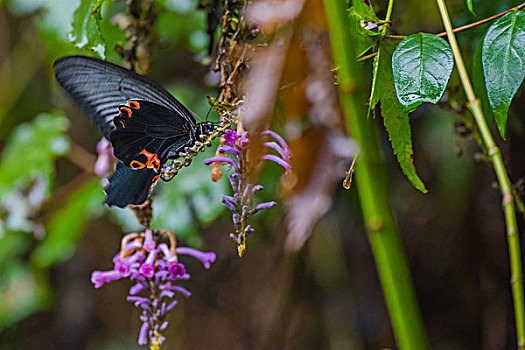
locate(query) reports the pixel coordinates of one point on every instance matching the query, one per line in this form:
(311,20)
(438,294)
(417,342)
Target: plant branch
(372,187)
(504,183)
(468,26)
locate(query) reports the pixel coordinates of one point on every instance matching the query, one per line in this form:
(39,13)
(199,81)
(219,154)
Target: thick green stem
(372,186)
(494,153)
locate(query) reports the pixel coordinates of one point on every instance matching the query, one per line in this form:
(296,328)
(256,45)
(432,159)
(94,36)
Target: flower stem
(504,183)
(372,187)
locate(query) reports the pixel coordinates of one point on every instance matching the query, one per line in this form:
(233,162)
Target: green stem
(389,10)
(494,153)
(372,186)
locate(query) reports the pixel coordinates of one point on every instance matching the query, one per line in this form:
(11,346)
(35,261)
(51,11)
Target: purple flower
(230,137)
(105,157)
(153,270)
(98,278)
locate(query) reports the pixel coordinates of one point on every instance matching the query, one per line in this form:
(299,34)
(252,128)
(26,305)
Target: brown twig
(468,26)
(81,158)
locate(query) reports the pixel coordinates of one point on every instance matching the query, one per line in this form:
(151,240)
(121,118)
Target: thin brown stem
(468,26)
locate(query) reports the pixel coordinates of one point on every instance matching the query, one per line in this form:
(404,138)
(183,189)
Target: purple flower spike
(243,141)
(149,243)
(154,274)
(98,278)
(143,334)
(230,137)
(205,258)
(229,202)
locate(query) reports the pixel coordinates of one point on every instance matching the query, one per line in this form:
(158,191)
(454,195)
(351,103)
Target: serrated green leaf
(96,10)
(422,65)
(364,10)
(478,82)
(66,225)
(364,39)
(86,30)
(32,150)
(394,115)
(470,6)
(503,63)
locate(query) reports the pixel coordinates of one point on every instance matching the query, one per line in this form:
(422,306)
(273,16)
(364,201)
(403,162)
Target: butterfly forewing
(145,132)
(100,87)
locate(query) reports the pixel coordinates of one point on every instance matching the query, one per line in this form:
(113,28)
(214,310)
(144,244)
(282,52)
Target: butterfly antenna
(211,107)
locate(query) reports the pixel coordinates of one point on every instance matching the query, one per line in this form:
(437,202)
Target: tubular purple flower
(279,139)
(181,290)
(236,218)
(167,293)
(143,334)
(230,137)
(176,271)
(278,148)
(98,278)
(229,202)
(243,140)
(171,305)
(139,301)
(234,180)
(257,188)
(206,258)
(149,243)
(147,269)
(234,151)
(102,164)
(264,205)
(222,159)
(167,253)
(123,268)
(274,158)
(133,245)
(136,289)
(247,191)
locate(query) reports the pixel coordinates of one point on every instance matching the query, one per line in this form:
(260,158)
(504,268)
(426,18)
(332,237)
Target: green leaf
(32,150)
(478,82)
(86,29)
(422,65)
(470,7)
(503,63)
(66,225)
(394,115)
(365,11)
(96,11)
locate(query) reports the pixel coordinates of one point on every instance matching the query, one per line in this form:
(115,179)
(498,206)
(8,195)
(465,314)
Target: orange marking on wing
(121,122)
(134,104)
(153,182)
(135,164)
(153,160)
(124,108)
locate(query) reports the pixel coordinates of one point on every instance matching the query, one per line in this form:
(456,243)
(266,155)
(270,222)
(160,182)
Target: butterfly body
(145,124)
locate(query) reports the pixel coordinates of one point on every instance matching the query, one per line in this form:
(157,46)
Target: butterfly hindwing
(128,186)
(100,87)
(145,132)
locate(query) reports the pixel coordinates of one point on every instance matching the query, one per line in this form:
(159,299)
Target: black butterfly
(145,124)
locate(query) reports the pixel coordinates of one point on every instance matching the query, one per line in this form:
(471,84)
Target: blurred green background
(54,230)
